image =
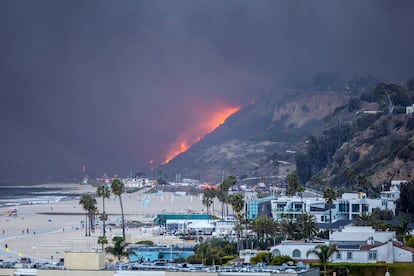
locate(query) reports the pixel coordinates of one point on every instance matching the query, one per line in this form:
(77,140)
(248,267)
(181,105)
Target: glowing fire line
(184,143)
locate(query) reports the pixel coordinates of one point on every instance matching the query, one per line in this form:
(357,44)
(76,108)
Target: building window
(372,255)
(296,253)
(349,255)
(322,218)
(355,208)
(276,252)
(298,207)
(343,207)
(338,255)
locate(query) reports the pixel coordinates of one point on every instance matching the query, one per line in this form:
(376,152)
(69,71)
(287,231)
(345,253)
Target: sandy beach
(46,231)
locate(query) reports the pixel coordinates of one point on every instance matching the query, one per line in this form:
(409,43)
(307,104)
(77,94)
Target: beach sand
(46,231)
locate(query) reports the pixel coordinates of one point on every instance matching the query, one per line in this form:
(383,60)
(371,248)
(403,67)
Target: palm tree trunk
(104,218)
(330,218)
(238,238)
(122,217)
(227,209)
(86,224)
(90,225)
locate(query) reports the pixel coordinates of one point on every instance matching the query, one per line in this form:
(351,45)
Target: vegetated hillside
(365,143)
(255,141)
(380,150)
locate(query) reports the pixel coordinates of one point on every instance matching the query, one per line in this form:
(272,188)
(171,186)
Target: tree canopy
(405,203)
(323,252)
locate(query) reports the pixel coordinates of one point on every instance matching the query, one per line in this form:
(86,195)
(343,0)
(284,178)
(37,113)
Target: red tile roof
(404,247)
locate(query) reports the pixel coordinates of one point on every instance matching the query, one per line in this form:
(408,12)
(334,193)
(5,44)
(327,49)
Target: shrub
(279,260)
(146,242)
(261,257)
(410,241)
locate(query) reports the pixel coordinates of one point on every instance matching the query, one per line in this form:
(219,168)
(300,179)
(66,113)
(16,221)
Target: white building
(292,206)
(362,244)
(348,207)
(225,227)
(136,182)
(355,244)
(297,250)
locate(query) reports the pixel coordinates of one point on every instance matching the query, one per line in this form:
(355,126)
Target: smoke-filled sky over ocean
(116,85)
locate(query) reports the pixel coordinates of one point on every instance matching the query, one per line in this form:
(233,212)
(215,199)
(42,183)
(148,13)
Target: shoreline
(47,194)
(44,232)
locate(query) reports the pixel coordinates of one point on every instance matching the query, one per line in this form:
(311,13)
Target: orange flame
(184,142)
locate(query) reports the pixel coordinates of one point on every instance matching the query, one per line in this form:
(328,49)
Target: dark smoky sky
(111,84)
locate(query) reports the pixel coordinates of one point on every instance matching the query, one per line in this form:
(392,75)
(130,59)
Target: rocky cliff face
(255,141)
(306,108)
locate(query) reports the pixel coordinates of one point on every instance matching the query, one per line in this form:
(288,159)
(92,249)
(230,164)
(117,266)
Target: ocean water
(16,195)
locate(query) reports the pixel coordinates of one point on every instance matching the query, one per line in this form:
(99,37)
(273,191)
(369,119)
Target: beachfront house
(363,244)
(297,250)
(354,244)
(344,209)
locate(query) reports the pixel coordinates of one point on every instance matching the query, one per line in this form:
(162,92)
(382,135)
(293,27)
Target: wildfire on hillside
(185,140)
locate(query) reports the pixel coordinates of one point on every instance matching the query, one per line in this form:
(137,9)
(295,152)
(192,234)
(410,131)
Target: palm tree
(93,211)
(223,193)
(222,197)
(365,219)
(202,251)
(102,240)
(403,229)
(119,249)
(291,229)
(117,188)
(85,202)
(104,192)
(323,252)
(264,227)
(310,226)
(208,199)
(330,196)
(237,203)
(293,184)
(300,190)
(88,203)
